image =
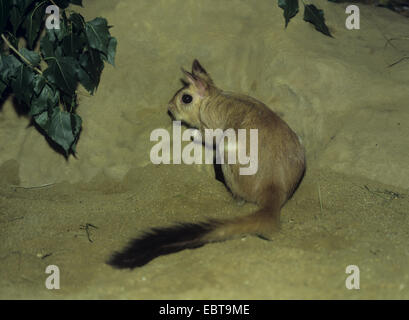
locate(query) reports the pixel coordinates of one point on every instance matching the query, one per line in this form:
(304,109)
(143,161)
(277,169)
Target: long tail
(162,241)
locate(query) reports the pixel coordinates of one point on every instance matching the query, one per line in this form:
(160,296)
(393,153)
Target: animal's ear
(184,82)
(198,83)
(200,72)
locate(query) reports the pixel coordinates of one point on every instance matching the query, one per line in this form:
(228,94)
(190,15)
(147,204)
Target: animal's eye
(187,98)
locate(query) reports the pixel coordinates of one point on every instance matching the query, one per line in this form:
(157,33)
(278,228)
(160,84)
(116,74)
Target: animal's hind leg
(270,201)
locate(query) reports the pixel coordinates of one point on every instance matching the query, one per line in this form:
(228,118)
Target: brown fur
(281,160)
(281,165)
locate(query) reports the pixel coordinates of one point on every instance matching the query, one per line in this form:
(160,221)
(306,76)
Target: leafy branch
(20,55)
(73,55)
(311,14)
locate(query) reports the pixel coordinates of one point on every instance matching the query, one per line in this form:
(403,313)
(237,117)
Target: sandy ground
(361,223)
(338,94)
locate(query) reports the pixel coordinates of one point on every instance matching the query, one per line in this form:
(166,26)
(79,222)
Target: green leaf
(23,5)
(78,22)
(98,34)
(62,4)
(47,46)
(61,72)
(8,67)
(38,84)
(60,129)
(33,23)
(18,13)
(50,33)
(22,84)
(31,56)
(4,14)
(42,120)
(69,46)
(90,72)
(75,54)
(69,101)
(48,99)
(112,50)
(316,17)
(86,80)
(3,87)
(290,8)
(15,18)
(77,2)
(73,44)
(76,40)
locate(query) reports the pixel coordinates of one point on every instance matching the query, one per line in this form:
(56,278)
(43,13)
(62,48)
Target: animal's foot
(269,231)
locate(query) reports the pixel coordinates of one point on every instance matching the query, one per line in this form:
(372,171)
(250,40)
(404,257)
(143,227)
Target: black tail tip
(120,260)
(160,242)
